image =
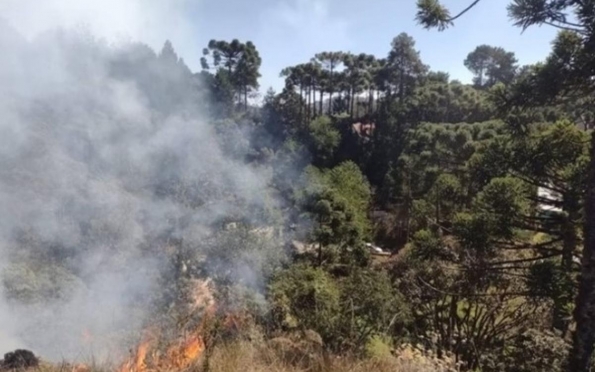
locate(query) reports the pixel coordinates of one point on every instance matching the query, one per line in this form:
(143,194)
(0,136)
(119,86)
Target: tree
(404,66)
(338,201)
(330,62)
(324,140)
(491,65)
(468,195)
(306,297)
(248,71)
(308,77)
(168,54)
(436,101)
(239,61)
(577,78)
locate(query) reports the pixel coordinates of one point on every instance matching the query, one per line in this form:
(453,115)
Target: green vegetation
(484,194)
(480,191)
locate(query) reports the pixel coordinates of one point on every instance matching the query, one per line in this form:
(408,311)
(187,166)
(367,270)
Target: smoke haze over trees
(373,202)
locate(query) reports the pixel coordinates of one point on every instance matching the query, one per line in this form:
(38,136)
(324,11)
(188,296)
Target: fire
(138,362)
(201,295)
(182,353)
(80,368)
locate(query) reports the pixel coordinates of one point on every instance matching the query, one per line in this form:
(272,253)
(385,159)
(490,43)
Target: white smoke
(149,21)
(103,152)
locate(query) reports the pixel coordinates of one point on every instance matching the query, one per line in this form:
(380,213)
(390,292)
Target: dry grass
(245,356)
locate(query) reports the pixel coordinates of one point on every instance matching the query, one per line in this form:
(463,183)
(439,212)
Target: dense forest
(373,204)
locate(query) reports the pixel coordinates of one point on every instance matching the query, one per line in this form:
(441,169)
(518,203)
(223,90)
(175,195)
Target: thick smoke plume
(105,161)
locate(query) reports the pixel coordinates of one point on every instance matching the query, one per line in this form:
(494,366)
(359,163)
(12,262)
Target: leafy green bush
(346,312)
(378,347)
(370,307)
(305,297)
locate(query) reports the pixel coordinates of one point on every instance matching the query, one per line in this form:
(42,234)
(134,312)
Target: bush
(530,351)
(346,312)
(305,297)
(371,307)
(378,347)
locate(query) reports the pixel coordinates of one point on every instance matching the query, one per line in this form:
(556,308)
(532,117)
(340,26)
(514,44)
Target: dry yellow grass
(243,356)
(246,357)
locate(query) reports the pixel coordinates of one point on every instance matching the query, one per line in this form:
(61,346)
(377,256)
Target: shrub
(305,297)
(530,351)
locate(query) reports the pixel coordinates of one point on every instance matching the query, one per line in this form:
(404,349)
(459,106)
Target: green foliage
(403,67)
(370,306)
(426,246)
(338,201)
(347,312)
(430,14)
(236,66)
(378,347)
(324,140)
(305,297)
(481,261)
(444,102)
(491,65)
(530,351)
(505,199)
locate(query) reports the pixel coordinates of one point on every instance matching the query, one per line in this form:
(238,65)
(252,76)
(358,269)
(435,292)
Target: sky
(287,32)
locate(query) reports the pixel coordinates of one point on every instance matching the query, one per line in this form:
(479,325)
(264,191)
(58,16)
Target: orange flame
(80,368)
(183,355)
(186,350)
(137,363)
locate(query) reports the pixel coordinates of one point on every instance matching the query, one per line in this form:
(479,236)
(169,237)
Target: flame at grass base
(180,355)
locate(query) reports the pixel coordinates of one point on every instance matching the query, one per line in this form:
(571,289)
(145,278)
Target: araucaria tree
(570,73)
(236,62)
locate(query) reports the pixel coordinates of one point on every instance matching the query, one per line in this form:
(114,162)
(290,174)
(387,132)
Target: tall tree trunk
(377,98)
(313,91)
(584,314)
(351,101)
(246,98)
(331,88)
(308,102)
(321,99)
(570,240)
(302,104)
(401,86)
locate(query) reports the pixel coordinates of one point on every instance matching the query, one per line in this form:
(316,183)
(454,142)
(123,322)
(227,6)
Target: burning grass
(247,356)
(179,356)
(226,341)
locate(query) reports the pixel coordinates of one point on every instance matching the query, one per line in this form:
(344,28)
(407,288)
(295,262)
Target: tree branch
(567,28)
(508,294)
(464,11)
(526,259)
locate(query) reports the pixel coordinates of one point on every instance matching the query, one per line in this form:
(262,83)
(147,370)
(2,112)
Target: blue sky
(288,32)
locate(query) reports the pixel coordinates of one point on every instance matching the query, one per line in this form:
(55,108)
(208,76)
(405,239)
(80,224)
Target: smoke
(105,161)
(149,21)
